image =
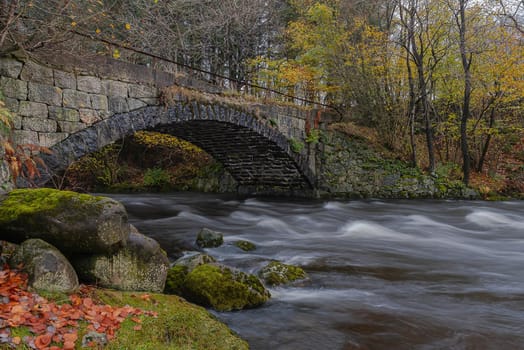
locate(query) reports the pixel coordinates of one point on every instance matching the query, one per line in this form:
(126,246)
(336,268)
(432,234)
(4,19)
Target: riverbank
(149,321)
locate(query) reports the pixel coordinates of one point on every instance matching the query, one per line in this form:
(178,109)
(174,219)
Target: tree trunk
(487,142)
(466,64)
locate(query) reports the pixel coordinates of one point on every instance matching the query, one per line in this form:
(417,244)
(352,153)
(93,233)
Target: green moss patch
(246,246)
(175,279)
(179,325)
(223,288)
(276,273)
(30,201)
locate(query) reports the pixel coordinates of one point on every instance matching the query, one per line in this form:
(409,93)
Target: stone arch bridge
(76,106)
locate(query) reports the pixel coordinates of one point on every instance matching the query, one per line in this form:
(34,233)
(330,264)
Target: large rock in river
(207,238)
(46,267)
(141,265)
(176,275)
(72,222)
(218,286)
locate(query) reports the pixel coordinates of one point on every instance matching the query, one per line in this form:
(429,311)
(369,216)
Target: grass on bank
(179,325)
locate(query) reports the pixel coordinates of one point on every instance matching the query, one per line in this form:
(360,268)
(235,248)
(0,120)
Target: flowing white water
(384,274)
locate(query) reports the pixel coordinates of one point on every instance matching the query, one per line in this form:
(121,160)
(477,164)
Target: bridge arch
(258,156)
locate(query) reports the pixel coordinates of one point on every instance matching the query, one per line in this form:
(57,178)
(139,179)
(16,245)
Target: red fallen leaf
(18,309)
(145,297)
(16,340)
(136,320)
(68,345)
(75,299)
(70,337)
(75,314)
(87,302)
(55,348)
(38,328)
(137,327)
(42,341)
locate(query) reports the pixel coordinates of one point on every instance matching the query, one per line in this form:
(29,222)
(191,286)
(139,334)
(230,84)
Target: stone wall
(350,168)
(51,104)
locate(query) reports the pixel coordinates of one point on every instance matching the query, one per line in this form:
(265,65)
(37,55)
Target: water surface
(384,274)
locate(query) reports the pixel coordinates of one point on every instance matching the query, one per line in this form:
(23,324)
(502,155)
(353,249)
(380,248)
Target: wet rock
(276,273)
(72,222)
(223,288)
(177,273)
(246,246)
(46,267)
(207,238)
(141,265)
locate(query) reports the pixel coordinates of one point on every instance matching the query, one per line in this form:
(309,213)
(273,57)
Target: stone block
(48,94)
(118,105)
(89,84)
(10,67)
(65,80)
(142,91)
(33,109)
(150,101)
(114,88)
(65,114)
(25,136)
(104,114)
(70,127)
(37,124)
(99,102)
(46,139)
(17,121)
(133,104)
(13,88)
(76,99)
(88,116)
(12,104)
(37,73)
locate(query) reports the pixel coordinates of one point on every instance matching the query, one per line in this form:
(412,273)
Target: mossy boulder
(72,222)
(47,268)
(223,288)
(276,273)
(139,266)
(193,259)
(207,238)
(177,273)
(176,276)
(246,246)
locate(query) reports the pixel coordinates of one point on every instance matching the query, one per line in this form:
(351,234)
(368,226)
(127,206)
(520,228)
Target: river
(384,274)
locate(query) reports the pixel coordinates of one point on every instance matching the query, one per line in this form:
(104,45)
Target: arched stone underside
(258,156)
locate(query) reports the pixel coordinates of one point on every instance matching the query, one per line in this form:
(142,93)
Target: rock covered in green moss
(276,273)
(178,272)
(176,276)
(207,238)
(194,259)
(141,265)
(46,267)
(72,222)
(223,288)
(246,246)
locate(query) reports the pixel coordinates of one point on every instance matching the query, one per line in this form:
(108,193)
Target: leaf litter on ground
(55,326)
